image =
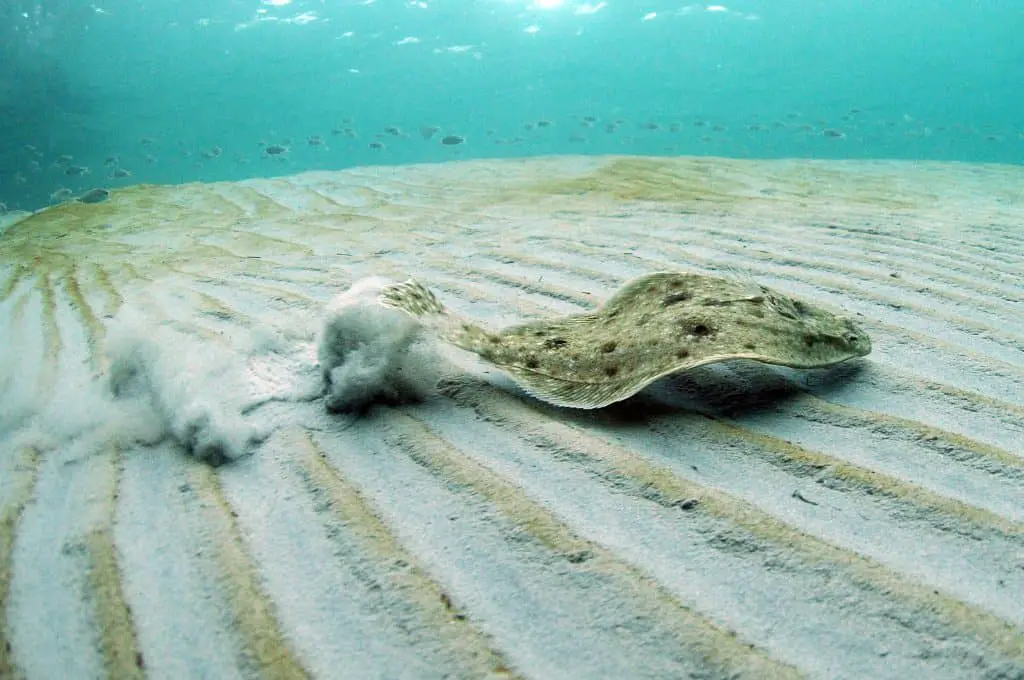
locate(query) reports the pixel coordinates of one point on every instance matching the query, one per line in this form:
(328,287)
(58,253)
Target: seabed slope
(741,521)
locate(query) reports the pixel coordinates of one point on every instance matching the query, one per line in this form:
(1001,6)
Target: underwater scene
(511,339)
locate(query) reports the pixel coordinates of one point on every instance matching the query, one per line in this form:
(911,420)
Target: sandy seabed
(865,521)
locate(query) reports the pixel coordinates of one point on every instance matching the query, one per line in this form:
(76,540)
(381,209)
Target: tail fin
(411,297)
(416,300)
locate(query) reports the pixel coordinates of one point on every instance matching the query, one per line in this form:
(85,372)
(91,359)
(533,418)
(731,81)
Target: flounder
(655,325)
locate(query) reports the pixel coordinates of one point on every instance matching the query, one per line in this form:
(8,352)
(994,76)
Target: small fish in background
(63,160)
(275,151)
(61,195)
(98,195)
(700,123)
(120,173)
(35,166)
(150,158)
(544,123)
(833,133)
(428,131)
(3,208)
(650,126)
(675,127)
(317,141)
(718,127)
(610,127)
(528,126)
(377,146)
(577,139)
(395,131)
(111,161)
(453,140)
(76,170)
(146,141)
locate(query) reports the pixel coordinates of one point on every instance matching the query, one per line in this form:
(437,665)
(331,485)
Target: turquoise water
(200,90)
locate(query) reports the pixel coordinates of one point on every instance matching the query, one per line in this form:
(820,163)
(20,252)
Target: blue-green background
(156,83)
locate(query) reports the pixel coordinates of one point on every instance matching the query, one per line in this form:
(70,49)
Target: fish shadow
(727,390)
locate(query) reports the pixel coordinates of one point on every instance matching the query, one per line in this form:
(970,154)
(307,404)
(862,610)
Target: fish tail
(411,297)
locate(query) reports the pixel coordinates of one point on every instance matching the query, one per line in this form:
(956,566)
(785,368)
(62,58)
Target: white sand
(736,521)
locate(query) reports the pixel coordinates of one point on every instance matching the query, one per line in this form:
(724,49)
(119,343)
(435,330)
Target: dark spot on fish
(700,329)
(682,353)
(531,362)
(609,347)
(611,370)
(555,343)
(676,298)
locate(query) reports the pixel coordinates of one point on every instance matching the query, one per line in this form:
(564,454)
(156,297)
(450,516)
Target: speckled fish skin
(655,325)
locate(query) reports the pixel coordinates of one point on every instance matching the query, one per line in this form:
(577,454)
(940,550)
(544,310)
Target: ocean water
(119,92)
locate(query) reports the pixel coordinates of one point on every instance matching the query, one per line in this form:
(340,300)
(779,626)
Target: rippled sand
(738,521)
